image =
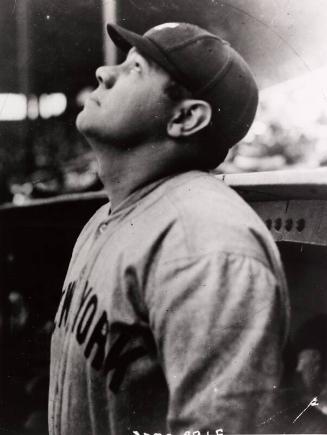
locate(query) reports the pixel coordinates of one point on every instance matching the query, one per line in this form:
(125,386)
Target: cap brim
(125,40)
(122,38)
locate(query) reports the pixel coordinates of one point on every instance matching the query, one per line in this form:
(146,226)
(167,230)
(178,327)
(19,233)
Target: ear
(189,117)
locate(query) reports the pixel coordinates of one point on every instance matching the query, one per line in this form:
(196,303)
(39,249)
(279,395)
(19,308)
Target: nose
(106,75)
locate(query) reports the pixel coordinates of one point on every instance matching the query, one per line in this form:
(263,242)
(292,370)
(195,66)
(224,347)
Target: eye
(137,66)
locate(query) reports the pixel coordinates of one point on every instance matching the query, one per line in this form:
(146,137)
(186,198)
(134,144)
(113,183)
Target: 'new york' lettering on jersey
(90,328)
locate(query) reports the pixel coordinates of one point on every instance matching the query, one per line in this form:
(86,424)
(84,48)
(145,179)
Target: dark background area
(36,244)
(60,41)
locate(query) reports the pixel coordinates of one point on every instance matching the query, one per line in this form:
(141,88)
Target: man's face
(129,105)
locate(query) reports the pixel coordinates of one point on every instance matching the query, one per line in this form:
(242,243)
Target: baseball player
(174,309)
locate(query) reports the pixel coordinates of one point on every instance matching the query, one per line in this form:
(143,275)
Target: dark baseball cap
(204,64)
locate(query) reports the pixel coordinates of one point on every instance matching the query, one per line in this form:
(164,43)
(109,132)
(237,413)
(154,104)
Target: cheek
(159,110)
(144,114)
(123,115)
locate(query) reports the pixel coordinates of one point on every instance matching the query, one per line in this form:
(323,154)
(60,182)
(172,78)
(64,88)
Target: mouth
(91,98)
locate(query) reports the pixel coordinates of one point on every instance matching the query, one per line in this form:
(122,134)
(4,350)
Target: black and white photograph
(163,217)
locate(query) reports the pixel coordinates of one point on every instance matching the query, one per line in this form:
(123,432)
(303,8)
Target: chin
(82,123)
(86,128)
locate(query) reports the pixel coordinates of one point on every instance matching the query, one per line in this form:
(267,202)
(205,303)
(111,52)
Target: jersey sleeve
(218,324)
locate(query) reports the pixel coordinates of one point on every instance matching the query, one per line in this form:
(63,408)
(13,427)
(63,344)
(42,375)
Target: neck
(124,170)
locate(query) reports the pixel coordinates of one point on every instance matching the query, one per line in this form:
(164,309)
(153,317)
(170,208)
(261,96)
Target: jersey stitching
(221,251)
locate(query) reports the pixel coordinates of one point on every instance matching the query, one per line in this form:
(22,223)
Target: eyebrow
(134,50)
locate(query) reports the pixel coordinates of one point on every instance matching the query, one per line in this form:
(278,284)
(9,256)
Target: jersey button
(103,227)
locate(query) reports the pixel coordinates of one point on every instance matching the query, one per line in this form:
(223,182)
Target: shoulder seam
(181,220)
(223,252)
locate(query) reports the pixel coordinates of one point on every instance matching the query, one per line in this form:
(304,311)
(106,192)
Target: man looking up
(174,309)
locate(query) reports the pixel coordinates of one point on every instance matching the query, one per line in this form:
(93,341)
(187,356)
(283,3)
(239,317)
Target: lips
(93,99)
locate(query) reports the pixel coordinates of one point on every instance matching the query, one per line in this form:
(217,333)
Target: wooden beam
(109,15)
(279,185)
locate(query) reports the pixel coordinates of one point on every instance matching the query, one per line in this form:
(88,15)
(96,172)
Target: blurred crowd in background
(52,48)
(290,131)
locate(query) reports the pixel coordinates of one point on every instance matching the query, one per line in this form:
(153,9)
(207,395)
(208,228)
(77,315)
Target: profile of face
(129,105)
